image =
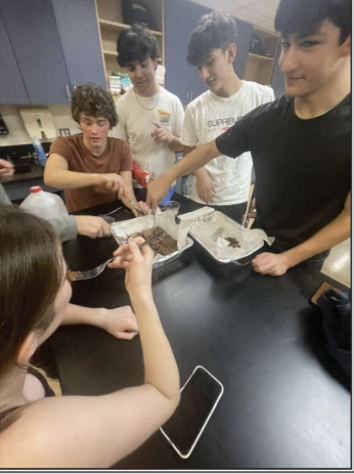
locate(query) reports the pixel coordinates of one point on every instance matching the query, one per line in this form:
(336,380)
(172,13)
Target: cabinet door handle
(68,91)
(187,96)
(191,95)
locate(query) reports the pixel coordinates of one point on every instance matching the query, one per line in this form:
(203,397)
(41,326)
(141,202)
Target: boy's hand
(204,185)
(271,264)
(161,134)
(92,226)
(156,191)
(6,171)
(111,181)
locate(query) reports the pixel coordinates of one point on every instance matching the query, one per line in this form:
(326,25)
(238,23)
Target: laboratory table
(286,403)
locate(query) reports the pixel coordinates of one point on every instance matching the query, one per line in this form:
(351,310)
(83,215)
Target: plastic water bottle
(38,149)
(168,197)
(43,204)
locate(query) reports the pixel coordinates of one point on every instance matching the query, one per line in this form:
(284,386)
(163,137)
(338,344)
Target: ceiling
(257,12)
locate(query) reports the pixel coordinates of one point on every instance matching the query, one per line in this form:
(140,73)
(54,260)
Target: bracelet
(171,139)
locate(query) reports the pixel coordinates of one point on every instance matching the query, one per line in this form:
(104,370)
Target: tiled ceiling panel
(257,12)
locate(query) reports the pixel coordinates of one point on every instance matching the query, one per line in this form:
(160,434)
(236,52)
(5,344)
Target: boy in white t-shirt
(149,117)
(224,182)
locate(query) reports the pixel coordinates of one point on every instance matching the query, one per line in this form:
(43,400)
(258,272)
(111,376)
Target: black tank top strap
(48,392)
(9,416)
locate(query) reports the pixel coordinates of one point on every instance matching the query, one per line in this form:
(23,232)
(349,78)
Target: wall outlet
(64,132)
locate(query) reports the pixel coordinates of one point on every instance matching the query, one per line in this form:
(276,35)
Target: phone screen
(199,397)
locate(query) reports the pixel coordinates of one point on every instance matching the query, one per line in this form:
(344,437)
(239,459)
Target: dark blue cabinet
(244,35)
(34,37)
(176,42)
(278,81)
(181,17)
(79,37)
(12,88)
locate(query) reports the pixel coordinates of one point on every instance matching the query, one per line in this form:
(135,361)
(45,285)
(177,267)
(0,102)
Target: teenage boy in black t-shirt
(300,144)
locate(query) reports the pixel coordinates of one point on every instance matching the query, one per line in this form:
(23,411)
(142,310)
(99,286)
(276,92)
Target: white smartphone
(199,398)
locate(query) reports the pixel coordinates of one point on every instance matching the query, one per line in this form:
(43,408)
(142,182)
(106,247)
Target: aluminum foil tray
(121,230)
(205,226)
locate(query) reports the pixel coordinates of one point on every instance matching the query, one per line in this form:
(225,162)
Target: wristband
(171,139)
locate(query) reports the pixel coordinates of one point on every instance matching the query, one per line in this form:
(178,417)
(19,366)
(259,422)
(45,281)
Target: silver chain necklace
(146,108)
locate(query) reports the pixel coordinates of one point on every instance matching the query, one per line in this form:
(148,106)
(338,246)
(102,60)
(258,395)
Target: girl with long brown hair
(70,432)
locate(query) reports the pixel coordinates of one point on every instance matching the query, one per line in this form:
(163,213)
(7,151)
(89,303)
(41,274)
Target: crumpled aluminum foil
(165,220)
(206,221)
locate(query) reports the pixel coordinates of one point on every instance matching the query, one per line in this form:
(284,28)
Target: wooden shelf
(110,53)
(258,56)
(118,26)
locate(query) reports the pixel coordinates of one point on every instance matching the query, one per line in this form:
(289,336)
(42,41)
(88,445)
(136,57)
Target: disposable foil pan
(121,231)
(204,227)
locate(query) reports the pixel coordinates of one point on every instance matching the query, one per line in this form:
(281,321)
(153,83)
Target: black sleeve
(236,140)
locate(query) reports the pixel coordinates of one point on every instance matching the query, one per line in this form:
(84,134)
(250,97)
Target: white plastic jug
(43,204)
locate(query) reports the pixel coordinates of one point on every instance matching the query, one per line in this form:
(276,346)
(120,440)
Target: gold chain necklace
(152,108)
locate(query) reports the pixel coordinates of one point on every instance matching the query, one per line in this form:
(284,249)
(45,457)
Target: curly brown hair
(91,99)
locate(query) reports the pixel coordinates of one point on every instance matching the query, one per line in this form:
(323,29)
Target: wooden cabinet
(12,88)
(111,23)
(260,66)
(78,31)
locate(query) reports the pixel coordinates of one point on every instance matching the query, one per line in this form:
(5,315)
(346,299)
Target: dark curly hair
(136,44)
(304,18)
(91,99)
(216,30)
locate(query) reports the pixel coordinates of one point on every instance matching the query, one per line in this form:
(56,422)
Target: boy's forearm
(331,235)
(64,179)
(193,161)
(176,144)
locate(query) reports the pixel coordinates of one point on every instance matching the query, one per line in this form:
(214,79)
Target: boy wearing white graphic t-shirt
(224,182)
(149,117)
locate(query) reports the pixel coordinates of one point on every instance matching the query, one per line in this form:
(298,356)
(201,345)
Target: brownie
(233,242)
(71,276)
(164,245)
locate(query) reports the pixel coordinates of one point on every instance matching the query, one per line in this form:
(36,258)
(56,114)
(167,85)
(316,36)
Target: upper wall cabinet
(34,37)
(12,88)
(180,19)
(56,46)
(79,37)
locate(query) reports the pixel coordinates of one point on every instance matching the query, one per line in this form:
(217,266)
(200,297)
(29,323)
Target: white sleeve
(120,130)
(189,135)
(177,129)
